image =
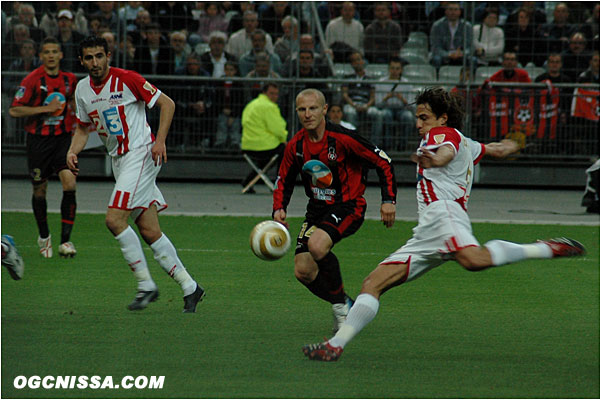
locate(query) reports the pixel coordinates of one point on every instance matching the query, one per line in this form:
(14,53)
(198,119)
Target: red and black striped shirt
(346,155)
(38,89)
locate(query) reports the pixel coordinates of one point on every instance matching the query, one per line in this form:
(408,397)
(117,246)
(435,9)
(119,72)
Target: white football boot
(11,258)
(67,250)
(340,311)
(45,246)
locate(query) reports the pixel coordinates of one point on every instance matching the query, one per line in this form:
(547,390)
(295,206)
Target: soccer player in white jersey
(445,162)
(112,101)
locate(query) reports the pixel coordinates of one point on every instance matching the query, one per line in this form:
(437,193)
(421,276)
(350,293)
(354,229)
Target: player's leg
(166,255)
(500,252)
(38,163)
(40,212)
(131,248)
(68,209)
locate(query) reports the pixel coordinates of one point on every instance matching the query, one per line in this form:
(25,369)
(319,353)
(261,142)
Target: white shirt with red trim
(454,180)
(117,109)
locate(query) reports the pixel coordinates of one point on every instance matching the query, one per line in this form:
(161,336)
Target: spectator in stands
(272,17)
(212,20)
(215,59)
(259,41)
(26,16)
(510,71)
(345,29)
(16,36)
(262,70)
(236,20)
(590,28)
(360,100)
(306,70)
(576,58)
(394,101)
(69,40)
(264,131)
(523,39)
(229,101)
(591,75)
(554,75)
(27,62)
(450,38)
(536,16)
(179,52)
(154,52)
(49,21)
(462,89)
(320,63)
(142,21)
(383,36)
(129,13)
(171,15)
(193,100)
(107,15)
(94,25)
(112,47)
(288,43)
(335,115)
(557,33)
(240,42)
(489,39)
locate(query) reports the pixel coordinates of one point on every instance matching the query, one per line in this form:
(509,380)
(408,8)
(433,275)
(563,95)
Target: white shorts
(135,182)
(443,228)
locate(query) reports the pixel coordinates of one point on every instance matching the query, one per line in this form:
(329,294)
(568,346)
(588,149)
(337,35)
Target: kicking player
(11,258)
(44,99)
(332,161)
(445,162)
(113,100)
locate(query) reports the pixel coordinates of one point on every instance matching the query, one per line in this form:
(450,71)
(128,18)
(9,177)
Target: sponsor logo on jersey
(20,92)
(97,100)
(115,99)
(149,87)
(383,154)
(321,176)
(332,156)
(438,139)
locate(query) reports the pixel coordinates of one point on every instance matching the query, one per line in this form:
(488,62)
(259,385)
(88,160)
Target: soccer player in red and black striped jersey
(45,98)
(333,162)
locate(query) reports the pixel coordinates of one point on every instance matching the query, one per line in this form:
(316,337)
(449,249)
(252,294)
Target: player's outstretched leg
(503,252)
(565,247)
(11,258)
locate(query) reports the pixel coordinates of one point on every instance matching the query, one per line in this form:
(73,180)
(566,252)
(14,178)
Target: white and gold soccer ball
(269,240)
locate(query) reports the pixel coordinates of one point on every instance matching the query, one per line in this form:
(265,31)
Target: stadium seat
(419,72)
(341,69)
(417,40)
(377,71)
(413,56)
(449,73)
(483,73)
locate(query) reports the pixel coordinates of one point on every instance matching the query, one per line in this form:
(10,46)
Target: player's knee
(472,260)
(303,274)
(39,191)
(317,249)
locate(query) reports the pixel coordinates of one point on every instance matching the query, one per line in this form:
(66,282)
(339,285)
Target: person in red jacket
(332,162)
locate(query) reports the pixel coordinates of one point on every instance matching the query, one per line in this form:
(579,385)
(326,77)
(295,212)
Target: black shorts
(338,220)
(46,155)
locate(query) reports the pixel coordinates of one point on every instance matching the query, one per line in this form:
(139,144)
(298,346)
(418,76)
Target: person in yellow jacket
(263,130)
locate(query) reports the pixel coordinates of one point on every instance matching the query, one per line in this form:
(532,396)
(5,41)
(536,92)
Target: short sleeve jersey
(116,108)
(39,89)
(454,180)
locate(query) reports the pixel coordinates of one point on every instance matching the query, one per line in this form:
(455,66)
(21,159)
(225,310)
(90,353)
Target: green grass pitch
(529,330)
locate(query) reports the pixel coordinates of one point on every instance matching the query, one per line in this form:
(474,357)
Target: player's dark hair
(443,102)
(51,40)
(93,41)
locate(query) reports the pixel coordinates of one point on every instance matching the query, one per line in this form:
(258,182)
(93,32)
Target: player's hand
(280,216)
(423,158)
(54,105)
(387,214)
(73,163)
(159,153)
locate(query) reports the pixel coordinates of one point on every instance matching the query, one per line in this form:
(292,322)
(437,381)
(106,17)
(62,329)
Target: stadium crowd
(552,42)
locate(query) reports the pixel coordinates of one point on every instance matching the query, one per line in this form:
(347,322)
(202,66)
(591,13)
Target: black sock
(39,211)
(68,207)
(319,287)
(329,267)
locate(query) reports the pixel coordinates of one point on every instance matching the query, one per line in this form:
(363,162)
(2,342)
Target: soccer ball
(269,240)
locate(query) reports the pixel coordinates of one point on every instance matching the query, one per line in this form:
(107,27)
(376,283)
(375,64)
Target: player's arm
(434,159)
(78,142)
(159,150)
(29,111)
(501,149)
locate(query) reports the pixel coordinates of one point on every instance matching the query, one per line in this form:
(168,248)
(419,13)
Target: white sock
(503,252)
(363,311)
(166,256)
(134,255)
